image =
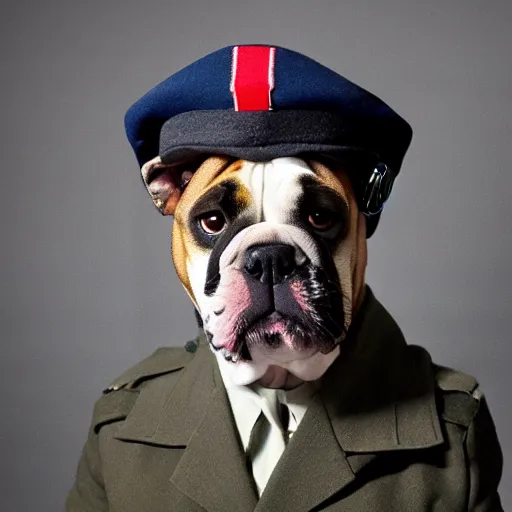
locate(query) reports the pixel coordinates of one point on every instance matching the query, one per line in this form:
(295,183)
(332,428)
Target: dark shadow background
(87,283)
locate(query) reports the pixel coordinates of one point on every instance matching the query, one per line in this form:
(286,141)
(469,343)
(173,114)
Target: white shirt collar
(248,401)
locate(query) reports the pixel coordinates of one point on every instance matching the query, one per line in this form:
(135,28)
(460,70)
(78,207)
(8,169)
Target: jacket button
(191,346)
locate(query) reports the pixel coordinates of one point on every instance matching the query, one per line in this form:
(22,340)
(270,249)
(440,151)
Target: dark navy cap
(259,103)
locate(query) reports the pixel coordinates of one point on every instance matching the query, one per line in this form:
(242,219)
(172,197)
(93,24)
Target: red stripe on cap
(252,77)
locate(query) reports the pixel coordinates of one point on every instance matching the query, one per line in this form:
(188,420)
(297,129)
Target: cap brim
(261,136)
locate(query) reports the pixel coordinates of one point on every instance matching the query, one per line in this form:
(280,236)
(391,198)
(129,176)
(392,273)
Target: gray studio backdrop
(87,283)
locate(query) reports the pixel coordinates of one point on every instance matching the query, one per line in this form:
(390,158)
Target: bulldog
(273,256)
(276,170)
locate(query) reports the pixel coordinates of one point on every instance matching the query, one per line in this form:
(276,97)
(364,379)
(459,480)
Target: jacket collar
(377,396)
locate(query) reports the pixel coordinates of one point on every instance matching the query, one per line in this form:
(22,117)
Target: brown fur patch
(353,249)
(210,173)
(243,195)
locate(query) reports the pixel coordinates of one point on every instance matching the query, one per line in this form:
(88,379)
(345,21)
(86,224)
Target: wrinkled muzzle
(273,292)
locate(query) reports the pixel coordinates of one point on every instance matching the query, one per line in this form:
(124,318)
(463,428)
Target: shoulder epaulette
(454,380)
(460,395)
(163,360)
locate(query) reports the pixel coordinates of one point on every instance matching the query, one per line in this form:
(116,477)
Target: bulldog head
(272,254)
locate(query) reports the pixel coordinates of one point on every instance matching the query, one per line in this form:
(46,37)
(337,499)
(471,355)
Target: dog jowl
(268,253)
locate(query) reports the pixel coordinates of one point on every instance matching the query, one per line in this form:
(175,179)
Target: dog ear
(165,183)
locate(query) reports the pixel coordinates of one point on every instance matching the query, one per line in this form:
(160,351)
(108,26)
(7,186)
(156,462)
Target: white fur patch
(274,186)
(308,369)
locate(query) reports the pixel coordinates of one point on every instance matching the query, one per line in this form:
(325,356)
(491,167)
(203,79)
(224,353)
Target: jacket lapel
(196,414)
(213,470)
(312,468)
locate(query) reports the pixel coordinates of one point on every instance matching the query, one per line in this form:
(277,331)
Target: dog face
(273,255)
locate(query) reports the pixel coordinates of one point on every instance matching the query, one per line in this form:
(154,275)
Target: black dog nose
(270,263)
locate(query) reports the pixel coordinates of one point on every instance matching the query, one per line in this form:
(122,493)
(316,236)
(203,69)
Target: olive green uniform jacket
(388,431)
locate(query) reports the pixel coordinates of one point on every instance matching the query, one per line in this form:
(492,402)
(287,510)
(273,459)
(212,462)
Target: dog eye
(321,219)
(212,222)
